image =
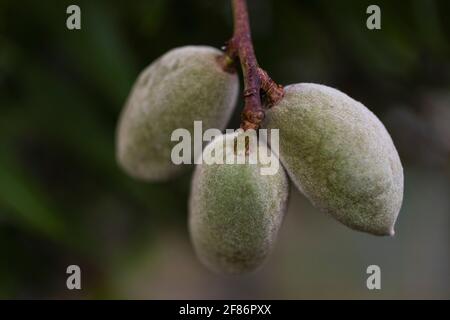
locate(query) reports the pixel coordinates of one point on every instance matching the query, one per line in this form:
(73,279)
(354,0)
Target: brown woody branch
(240,47)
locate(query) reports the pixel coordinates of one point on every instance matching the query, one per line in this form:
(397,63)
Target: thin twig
(255,79)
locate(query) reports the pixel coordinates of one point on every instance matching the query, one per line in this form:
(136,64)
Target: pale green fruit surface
(340,156)
(184,85)
(235,212)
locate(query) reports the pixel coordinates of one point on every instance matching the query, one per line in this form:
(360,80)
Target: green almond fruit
(186,84)
(340,156)
(235,211)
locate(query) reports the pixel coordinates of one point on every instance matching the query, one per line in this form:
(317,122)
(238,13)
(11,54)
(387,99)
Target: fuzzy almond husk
(235,212)
(340,156)
(184,85)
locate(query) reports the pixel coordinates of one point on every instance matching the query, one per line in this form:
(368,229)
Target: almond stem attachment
(255,79)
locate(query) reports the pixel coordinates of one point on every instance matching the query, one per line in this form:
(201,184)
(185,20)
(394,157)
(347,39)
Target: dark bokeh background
(64,201)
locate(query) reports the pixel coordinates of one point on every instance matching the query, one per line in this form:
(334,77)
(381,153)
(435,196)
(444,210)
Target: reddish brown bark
(240,47)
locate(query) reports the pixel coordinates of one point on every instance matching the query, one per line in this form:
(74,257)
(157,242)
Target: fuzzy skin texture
(235,212)
(340,156)
(184,85)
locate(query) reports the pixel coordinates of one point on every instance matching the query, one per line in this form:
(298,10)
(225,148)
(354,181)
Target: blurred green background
(64,201)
